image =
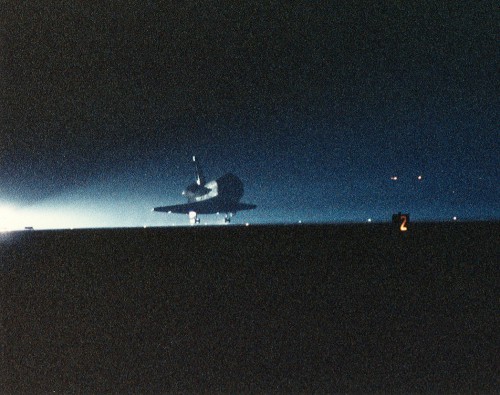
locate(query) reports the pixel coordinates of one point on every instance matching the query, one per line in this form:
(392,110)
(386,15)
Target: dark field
(354,308)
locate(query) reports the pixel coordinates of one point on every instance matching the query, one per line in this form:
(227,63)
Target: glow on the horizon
(52,215)
(49,218)
(7,218)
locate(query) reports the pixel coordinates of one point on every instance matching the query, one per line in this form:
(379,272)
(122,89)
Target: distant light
(5,210)
(7,218)
(145,226)
(369,220)
(394,178)
(454,218)
(300,222)
(419,178)
(247,224)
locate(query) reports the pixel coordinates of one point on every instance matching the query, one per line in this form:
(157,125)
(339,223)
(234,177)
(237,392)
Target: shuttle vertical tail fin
(200,178)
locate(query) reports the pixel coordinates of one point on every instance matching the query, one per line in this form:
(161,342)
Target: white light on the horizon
(49,217)
(8,218)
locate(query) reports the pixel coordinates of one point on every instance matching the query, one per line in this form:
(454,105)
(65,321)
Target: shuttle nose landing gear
(227,218)
(193,218)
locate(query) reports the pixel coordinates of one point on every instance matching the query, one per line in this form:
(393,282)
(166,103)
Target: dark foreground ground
(355,308)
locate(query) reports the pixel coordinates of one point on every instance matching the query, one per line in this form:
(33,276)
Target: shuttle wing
(210,206)
(179,208)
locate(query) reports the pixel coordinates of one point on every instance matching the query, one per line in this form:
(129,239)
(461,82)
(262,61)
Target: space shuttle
(213,197)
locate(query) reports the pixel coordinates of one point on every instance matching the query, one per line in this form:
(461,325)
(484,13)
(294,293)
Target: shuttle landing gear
(227,218)
(193,218)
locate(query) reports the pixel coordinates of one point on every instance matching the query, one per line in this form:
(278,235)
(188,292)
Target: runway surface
(329,308)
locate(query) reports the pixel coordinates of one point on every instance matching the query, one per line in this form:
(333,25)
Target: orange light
(403,227)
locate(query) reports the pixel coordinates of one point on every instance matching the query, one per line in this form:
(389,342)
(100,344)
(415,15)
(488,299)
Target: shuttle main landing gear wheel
(193,218)
(227,218)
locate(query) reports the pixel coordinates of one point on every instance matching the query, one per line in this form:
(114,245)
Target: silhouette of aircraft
(214,197)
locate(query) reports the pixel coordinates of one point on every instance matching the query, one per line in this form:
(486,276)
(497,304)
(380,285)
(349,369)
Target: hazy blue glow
(125,202)
(315,108)
(285,190)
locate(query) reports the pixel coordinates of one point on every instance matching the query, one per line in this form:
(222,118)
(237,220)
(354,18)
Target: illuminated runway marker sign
(401,221)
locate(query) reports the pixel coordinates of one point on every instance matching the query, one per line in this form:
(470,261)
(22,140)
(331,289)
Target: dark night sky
(314,105)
